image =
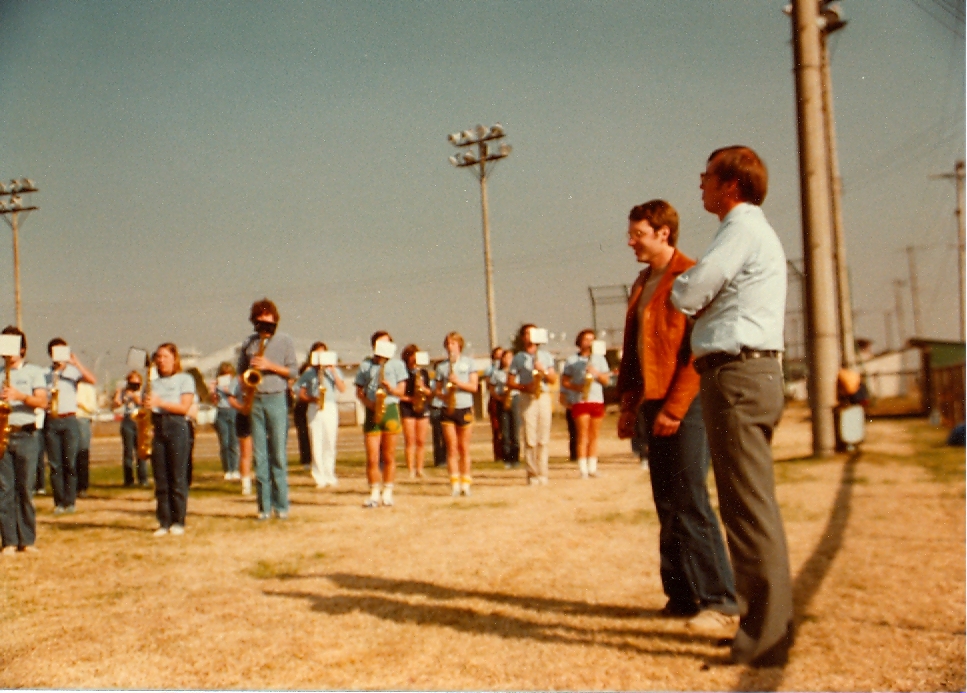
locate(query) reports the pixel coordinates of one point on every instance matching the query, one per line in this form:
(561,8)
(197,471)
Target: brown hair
(376,335)
(741,164)
(577,340)
(13,329)
(657,213)
(56,341)
(174,350)
(408,352)
(260,308)
(225,368)
(455,336)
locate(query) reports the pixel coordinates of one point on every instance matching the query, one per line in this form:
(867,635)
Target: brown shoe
(713,624)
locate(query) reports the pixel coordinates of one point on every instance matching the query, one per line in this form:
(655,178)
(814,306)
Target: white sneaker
(177,530)
(533,481)
(228,476)
(371,503)
(713,624)
(465,489)
(644,464)
(455,489)
(247,486)
(543,480)
(161,531)
(388,497)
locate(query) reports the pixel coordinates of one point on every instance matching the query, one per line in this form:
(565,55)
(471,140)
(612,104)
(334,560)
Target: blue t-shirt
(368,377)
(223,393)
(309,381)
(25,379)
(67,380)
(499,380)
(462,368)
(575,368)
(523,365)
(171,388)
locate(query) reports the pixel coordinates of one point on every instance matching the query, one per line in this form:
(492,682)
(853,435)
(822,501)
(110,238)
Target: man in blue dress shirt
(737,295)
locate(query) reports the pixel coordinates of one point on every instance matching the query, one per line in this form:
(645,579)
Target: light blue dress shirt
(25,379)
(523,365)
(738,288)
(309,381)
(368,377)
(67,381)
(463,368)
(575,368)
(171,388)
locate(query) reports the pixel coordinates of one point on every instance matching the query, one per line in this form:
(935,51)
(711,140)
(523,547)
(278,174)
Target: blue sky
(193,157)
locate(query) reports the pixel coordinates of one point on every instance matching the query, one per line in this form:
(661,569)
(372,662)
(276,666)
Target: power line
(956,30)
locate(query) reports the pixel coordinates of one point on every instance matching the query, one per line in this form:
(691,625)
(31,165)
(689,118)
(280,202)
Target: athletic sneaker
(713,624)
(177,530)
(371,503)
(161,531)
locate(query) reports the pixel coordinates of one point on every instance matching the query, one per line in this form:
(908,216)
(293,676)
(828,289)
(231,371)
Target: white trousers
(536,413)
(323,428)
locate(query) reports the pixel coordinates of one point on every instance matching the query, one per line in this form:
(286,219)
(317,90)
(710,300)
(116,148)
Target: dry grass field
(517,587)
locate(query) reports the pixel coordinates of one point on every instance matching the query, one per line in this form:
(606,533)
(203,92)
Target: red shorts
(593,409)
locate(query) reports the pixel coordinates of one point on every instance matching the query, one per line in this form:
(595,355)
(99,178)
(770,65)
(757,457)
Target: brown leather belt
(720,358)
(64,416)
(26,428)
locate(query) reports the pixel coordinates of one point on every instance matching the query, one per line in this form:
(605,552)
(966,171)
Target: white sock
(374,491)
(592,465)
(465,484)
(246,485)
(387,494)
(583,466)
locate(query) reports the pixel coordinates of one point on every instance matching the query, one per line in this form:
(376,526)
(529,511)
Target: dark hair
(56,341)
(577,340)
(260,308)
(493,354)
(741,164)
(13,329)
(314,347)
(408,351)
(657,213)
(376,335)
(134,374)
(225,368)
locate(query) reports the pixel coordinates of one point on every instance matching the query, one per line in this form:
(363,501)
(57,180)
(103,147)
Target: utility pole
(11,208)
(823,349)
(958,177)
(914,290)
(888,326)
(830,22)
(478,162)
(898,285)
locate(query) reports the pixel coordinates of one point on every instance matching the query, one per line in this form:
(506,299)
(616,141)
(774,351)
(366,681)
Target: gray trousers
(742,402)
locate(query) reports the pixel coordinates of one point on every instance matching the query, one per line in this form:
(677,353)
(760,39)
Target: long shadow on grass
(468,620)
(812,574)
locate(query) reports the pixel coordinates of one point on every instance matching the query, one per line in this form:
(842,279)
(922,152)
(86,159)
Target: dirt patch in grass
(517,587)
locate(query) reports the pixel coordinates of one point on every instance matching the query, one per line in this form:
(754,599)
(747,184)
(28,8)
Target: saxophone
(55,394)
(142,418)
(251,379)
(420,393)
(321,403)
(5,412)
(508,399)
(451,392)
(588,382)
(538,382)
(379,410)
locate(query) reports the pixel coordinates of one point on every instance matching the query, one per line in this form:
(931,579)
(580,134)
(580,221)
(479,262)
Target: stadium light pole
(10,208)
(478,154)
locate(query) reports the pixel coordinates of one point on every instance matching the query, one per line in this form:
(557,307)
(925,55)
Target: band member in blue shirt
(456,383)
(381,378)
(128,398)
(172,395)
(414,410)
(324,422)
(61,430)
(226,386)
(18,464)
(530,372)
(587,372)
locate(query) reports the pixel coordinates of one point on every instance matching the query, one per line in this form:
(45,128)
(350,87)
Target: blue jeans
(510,443)
(18,523)
(129,444)
(227,440)
(270,430)
(695,570)
(169,459)
(83,464)
(62,436)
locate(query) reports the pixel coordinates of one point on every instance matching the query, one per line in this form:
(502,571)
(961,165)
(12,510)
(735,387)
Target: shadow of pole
(812,574)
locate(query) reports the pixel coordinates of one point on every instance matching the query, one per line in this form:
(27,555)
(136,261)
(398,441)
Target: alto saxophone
(55,394)
(142,418)
(420,393)
(508,399)
(538,382)
(588,382)
(451,392)
(379,410)
(321,402)
(251,379)
(5,410)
